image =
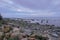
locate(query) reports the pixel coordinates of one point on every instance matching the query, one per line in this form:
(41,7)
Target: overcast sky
(30,8)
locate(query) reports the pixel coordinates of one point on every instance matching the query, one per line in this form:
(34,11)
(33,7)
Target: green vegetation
(1,20)
(41,38)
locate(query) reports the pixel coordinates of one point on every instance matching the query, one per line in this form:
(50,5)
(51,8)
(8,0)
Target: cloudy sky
(30,8)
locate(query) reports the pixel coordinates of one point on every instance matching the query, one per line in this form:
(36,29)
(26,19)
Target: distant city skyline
(30,8)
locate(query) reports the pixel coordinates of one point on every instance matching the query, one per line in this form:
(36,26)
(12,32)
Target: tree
(0,17)
(1,20)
